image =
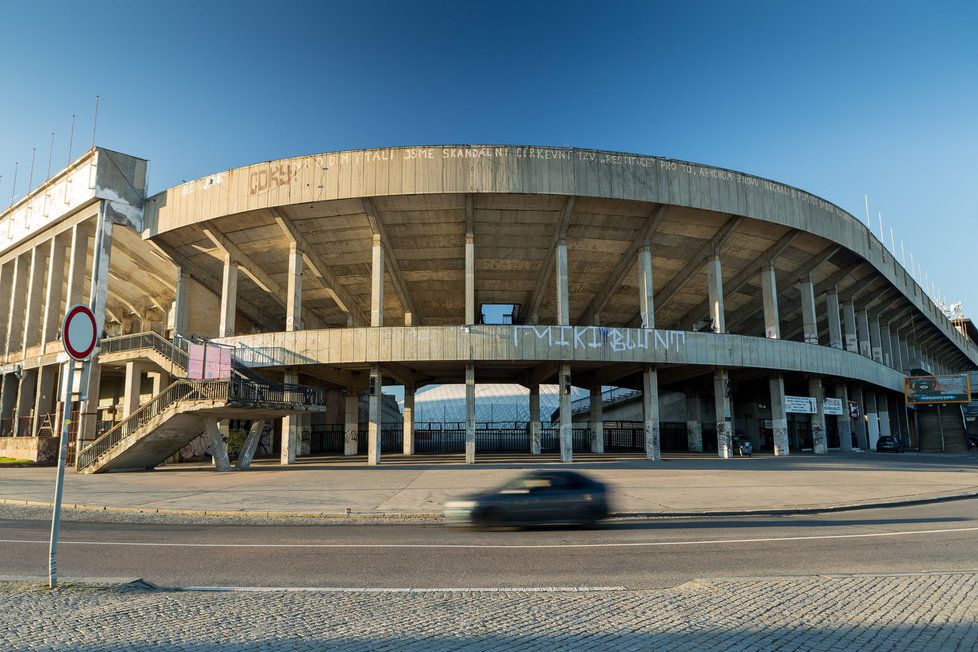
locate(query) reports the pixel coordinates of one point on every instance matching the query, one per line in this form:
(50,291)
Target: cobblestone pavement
(909,612)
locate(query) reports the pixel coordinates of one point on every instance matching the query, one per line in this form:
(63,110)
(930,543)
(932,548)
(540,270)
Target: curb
(355,516)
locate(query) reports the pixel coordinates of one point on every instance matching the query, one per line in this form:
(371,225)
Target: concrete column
(25,401)
(34,313)
(645,291)
(597,419)
(844,422)
(849,322)
(77,262)
(874,338)
(470,414)
(566,426)
(862,435)
(130,395)
(714,288)
(769,293)
(872,421)
(650,411)
(820,442)
(247,453)
(8,404)
(55,290)
(352,419)
(45,400)
(160,381)
(779,418)
(835,322)
(883,410)
(903,428)
(88,422)
(229,297)
(865,348)
(905,356)
(896,349)
(15,318)
(694,423)
(291,428)
(6,298)
(885,345)
(219,447)
(563,299)
(181,304)
(809,321)
(535,419)
(469,278)
(376,415)
(408,421)
(293,308)
(724,412)
(377,283)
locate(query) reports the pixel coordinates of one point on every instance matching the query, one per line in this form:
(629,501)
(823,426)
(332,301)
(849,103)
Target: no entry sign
(78,332)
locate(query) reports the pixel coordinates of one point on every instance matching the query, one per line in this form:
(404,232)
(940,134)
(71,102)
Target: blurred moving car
(889,444)
(534,498)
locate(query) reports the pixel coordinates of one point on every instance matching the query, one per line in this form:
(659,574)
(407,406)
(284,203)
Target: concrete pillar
(34,313)
(862,435)
(896,349)
(903,428)
(160,380)
(45,401)
(247,453)
(566,426)
(872,421)
(408,420)
(25,401)
(563,299)
(293,308)
(181,304)
(820,442)
(470,414)
(905,356)
(130,390)
(875,339)
(883,410)
(229,297)
(376,415)
(219,447)
(779,417)
(535,419)
(843,421)
(714,288)
(291,428)
(352,421)
(724,412)
(469,278)
(88,421)
(645,291)
(8,404)
(54,292)
(886,345)
(835,321)
(77,262)
(849,322)
(769,293)
(6,298)
(650,411)
(15,317)
(809,321)
(597,419)
(862,326)
(377,283)
(694,423)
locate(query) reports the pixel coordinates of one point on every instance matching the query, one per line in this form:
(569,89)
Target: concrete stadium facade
(351,270)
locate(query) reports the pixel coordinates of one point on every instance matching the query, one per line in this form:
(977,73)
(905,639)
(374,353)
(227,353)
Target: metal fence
(175,351)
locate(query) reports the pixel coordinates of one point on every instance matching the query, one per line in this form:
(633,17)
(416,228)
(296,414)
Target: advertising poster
(937,389)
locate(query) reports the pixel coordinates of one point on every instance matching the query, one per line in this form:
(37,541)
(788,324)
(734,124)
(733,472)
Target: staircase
(168,355)
(941,431)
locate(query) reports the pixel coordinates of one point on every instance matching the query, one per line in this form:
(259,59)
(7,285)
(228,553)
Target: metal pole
(59,482)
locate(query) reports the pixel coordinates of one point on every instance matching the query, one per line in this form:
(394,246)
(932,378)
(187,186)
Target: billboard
(937,389)
(800,405)
(833,406)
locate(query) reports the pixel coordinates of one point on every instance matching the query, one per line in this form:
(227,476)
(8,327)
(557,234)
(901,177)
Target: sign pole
(59,482)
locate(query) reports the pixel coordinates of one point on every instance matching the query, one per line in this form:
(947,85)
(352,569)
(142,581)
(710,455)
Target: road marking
(514,546)
(327,589)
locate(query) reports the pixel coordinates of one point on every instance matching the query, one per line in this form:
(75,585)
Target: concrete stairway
(167,355)
(179,414)
(941,431)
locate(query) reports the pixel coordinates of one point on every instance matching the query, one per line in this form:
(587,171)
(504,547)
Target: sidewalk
(404,486)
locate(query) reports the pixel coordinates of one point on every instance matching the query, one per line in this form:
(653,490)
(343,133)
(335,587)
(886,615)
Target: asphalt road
(630,554)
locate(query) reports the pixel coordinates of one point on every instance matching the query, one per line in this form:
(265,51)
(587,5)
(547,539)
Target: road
(639,554)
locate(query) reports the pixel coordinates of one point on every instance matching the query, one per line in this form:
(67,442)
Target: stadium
(580,301)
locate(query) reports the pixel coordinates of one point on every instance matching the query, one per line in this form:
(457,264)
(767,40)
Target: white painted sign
(799,404)
(833,406)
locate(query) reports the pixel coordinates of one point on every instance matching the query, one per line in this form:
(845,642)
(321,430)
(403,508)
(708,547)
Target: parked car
(889,444)
(534,498)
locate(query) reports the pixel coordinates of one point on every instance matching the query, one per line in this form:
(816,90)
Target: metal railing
(237,391)
(175,351)
(607,396)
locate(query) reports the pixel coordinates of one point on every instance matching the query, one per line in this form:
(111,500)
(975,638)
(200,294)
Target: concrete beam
(392,266)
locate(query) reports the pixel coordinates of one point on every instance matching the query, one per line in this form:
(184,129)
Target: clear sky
(838,98)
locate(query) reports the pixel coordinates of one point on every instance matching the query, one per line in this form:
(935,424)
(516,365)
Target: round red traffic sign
(78,332)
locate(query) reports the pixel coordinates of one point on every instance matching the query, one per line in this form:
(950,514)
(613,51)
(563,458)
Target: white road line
(514,546)
(328,589)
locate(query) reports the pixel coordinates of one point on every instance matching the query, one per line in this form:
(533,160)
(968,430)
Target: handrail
(607,396)
(236,391)
(175,352)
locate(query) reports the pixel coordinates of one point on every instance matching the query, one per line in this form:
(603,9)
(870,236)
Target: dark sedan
(889,444)
(534,498)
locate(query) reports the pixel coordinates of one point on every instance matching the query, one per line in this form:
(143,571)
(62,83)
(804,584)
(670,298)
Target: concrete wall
(35,449)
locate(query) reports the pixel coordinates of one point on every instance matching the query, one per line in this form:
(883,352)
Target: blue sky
(838,98)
